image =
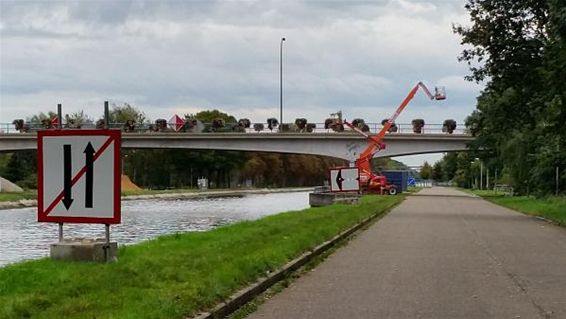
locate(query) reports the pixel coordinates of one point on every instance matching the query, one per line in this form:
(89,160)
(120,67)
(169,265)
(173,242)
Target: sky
(178,57)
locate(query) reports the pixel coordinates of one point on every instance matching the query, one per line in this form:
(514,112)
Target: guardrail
(9,128)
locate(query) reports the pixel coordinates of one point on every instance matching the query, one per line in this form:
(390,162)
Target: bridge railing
(404,128)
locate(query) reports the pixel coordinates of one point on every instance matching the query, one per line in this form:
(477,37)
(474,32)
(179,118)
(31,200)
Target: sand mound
(8,187)
(128,185)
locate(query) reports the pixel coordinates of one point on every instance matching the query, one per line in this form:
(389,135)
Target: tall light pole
(281,81)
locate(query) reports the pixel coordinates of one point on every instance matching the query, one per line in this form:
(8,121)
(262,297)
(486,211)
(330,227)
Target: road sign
(345,179)
(411,182)
(55,122)
(176,123)
(79,176)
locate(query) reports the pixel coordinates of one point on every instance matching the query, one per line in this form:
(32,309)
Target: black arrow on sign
(339,179)
(67,170)
(89,160)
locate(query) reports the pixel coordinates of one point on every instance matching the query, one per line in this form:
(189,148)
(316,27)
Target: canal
(24,238)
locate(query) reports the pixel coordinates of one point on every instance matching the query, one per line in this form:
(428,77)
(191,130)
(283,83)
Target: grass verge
(14,197)
(178,275)
(254,304)
(552,207)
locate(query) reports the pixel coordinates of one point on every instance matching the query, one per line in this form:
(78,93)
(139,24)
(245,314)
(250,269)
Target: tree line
(168,168)
(517,48)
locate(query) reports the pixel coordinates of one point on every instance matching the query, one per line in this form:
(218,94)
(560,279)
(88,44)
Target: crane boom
(375,142)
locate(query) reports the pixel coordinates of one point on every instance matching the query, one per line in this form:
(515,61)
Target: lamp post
(281,81)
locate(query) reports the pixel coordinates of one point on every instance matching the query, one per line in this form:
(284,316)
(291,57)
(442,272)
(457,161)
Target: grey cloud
(101,11)
(164,55)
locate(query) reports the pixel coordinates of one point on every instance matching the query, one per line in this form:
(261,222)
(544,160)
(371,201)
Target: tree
(517,48)
(125,112)
(208,116)
(437,171)
(426,171)
(77,119)
(41,117)
(21,169)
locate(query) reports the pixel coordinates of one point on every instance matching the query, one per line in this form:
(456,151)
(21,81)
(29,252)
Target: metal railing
(403,128)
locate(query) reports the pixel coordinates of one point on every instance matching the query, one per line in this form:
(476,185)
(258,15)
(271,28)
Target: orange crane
(370,181)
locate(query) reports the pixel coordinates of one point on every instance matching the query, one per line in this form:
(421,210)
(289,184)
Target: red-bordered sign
(79,176)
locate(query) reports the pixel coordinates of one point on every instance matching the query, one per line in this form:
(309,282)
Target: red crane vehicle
(369,181)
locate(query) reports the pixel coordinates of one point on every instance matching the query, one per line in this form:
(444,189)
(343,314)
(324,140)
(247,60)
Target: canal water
(22,237)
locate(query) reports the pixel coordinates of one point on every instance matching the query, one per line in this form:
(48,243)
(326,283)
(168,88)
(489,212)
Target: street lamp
(281,82)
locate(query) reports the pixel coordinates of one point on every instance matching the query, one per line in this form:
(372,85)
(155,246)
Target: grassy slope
(553,208)
(12,197)
(174,276)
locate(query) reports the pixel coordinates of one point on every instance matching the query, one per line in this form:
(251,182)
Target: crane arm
(376,141)
(379,136)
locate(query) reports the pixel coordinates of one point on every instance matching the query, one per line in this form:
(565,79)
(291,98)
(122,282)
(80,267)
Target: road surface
(440,254)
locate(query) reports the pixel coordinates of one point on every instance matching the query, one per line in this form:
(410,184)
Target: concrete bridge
(339,145)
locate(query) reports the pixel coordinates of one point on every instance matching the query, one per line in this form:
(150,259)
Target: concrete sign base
(325,199)
(83,250)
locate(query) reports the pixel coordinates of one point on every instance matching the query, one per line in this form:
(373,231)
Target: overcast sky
(177,57)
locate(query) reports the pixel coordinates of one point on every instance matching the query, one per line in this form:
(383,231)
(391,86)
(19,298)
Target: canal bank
(142,219)
(173,195)
(178,275)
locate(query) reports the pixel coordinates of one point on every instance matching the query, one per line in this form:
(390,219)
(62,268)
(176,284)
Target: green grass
(413,190)
(13,197)
(174,276)
(552,207)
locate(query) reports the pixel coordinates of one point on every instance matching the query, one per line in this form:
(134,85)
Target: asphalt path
(440,254)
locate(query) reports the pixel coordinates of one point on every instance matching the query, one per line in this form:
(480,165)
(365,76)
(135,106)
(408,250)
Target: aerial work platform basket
(439,93)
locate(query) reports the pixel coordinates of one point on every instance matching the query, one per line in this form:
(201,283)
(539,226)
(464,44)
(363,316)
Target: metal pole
(60,119)
(106,115)
(60,115)
(107,246)
(281,81)
(487,178)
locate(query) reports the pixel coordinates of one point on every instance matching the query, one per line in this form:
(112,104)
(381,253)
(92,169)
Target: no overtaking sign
(79,176)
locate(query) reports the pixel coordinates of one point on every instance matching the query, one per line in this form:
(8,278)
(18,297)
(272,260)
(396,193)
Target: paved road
(444,254)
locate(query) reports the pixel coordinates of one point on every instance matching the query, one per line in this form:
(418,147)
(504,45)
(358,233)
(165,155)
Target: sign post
(60,120)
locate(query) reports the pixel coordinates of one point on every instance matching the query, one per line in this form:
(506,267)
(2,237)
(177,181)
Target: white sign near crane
(345,179)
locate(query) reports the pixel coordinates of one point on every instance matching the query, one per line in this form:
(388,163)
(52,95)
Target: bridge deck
(339,145)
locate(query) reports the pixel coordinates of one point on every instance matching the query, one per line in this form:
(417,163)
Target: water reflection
(23,237)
